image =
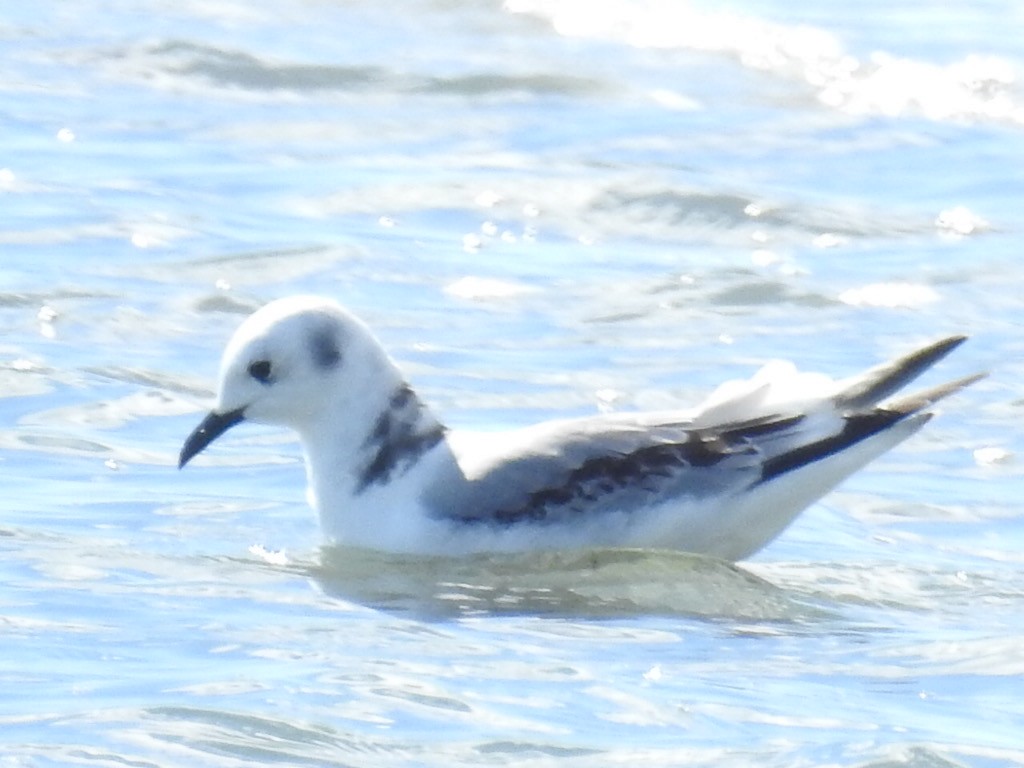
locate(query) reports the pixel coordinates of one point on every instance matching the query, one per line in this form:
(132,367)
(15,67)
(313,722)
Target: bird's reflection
(594,584)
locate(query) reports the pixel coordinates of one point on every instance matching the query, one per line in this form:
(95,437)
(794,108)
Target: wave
(977,87)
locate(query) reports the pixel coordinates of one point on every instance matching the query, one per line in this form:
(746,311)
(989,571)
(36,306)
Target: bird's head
(293,363)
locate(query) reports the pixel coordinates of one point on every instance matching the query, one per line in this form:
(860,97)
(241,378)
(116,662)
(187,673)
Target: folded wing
(752,437)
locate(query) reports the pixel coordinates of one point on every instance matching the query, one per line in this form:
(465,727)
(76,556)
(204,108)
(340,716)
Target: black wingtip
(862,425)
(917,401)
(886,379)
(856,428)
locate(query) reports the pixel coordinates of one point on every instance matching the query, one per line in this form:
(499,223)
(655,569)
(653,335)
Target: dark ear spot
(323,344)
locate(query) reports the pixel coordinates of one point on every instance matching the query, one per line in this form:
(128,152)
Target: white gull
(722,479)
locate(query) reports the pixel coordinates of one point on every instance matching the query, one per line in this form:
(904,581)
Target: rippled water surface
(543,209)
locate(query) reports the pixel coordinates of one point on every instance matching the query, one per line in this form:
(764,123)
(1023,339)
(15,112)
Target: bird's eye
(260,370)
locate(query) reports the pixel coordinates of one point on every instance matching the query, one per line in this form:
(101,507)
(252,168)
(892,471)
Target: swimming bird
(722,479)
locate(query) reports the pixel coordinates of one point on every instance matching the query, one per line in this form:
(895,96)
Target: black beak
(213,426)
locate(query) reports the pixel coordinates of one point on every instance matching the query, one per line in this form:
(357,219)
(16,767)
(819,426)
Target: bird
(722,479)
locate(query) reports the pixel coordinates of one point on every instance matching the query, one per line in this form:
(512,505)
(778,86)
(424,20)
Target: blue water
(542,209)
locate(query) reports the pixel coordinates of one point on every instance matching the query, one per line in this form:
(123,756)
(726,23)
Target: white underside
(731,527)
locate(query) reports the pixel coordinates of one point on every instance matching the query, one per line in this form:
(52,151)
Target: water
(543,210)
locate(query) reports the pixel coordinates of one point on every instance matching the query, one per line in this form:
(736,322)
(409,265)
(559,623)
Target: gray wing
(566,469)
(589,466)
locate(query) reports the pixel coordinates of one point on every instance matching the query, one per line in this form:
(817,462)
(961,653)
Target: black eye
(260,370)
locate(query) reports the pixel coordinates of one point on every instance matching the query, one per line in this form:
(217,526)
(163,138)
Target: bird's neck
(363,482)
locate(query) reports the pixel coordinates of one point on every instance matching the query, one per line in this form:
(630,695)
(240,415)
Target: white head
(296,362)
